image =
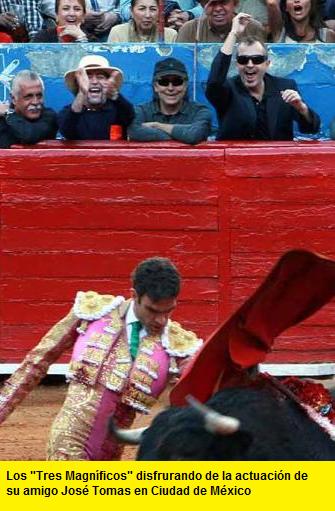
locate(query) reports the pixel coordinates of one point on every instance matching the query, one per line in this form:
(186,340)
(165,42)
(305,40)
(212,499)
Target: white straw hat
(93,62)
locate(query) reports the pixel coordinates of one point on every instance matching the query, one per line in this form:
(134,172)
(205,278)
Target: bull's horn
(214,421)
(126,436)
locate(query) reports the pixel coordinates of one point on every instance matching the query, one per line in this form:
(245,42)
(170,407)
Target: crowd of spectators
(252,105)
(100,112)
(188,21)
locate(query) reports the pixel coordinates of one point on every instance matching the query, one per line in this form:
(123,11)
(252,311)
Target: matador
(123,354)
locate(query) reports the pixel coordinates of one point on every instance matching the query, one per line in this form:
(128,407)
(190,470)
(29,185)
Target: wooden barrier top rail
(213,144)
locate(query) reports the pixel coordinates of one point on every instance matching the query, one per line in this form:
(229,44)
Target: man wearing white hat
(97,105)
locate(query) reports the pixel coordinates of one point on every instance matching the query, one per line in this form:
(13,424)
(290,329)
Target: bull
(238,424)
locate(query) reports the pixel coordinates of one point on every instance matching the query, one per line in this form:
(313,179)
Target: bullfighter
(123,353)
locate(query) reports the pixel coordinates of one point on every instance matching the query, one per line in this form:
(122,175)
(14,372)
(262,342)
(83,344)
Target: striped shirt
(30,13)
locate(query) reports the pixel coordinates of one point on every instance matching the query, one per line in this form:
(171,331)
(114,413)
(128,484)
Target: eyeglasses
(174,80)
(255,59)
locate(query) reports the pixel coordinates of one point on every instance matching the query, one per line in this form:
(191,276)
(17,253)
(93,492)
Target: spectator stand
(312,66)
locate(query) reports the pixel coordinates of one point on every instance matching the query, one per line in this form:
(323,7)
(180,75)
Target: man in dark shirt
(170,116)
(254,104)
(98,106)
(25,120)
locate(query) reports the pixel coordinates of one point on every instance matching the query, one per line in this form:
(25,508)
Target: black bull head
(298,285)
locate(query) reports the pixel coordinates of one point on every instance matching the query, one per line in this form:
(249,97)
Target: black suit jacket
(236,111)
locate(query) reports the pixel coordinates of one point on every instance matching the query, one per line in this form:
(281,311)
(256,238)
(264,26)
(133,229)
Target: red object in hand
(64,38)
(115,132)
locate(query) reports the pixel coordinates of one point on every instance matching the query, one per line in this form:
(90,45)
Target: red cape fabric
(298,285)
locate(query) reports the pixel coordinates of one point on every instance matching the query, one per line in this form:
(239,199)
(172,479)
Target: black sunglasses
(255,59)
(174,80)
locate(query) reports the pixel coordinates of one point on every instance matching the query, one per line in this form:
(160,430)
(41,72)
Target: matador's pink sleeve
(36,364)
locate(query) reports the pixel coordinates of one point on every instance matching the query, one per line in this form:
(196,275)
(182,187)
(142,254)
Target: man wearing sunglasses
(254,104)
(170,115)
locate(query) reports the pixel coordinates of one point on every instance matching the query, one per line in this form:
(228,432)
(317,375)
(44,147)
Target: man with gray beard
(25,120)
(98,107)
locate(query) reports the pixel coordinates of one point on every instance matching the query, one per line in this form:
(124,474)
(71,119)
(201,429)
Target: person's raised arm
(237,28)
(83,85)
(217,91)
(275,19)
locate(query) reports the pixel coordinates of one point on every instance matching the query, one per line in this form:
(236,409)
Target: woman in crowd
(297,21)
(143,27)
(70,16)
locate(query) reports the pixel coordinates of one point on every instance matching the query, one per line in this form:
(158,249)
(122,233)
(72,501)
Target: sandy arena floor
(23,436)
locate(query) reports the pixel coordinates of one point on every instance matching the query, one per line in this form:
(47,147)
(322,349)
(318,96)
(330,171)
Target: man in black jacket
(254,104)
(25,120)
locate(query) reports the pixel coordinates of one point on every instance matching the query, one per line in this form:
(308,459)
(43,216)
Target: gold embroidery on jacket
(73,424)
(106,360)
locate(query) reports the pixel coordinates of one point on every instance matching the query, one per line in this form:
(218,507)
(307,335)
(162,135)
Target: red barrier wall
(81,215)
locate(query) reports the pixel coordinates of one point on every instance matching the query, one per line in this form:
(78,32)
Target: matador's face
(153,315)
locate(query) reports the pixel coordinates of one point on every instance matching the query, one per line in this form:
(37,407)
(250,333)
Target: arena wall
(79,216)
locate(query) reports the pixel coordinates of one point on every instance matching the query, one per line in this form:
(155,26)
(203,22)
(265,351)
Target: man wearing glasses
(170,115)
(254,104)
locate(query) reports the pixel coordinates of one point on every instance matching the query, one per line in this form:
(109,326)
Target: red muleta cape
(299,284)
